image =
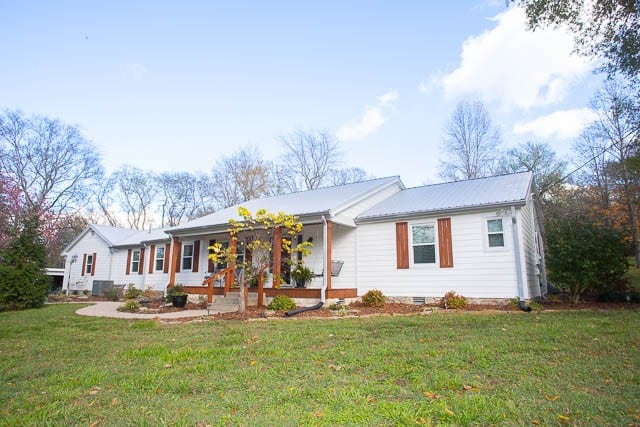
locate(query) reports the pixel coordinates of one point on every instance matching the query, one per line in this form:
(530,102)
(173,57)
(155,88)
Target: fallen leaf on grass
(317,414)
(449,411)
(93,392)
(252,362)
(430,395)
(563,419)
(470,388)
(421,421)
(167,365)
(94,424)
(551,398)
(335,367)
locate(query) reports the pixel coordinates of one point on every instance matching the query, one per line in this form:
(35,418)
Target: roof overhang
(440,212)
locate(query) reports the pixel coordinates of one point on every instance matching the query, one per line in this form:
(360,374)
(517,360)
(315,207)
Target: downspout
(516,249)
(324,259)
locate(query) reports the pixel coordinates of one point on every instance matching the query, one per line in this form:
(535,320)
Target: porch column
(277,256)
(175,250)
(328,249)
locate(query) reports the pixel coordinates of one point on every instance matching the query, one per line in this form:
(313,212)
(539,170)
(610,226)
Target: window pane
(188,250)
(424,254)
(494,225)
(186,263)
(496,240)
(136,255)
(423,234)
(159,264)
(160,253)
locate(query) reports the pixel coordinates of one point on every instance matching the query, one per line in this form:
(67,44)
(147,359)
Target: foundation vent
(419,300)
(341,301)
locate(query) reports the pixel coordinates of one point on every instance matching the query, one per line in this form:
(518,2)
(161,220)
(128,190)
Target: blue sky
(173,85)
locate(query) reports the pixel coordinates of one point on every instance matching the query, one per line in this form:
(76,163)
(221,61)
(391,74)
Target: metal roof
(118,236)
(329,200)
(451,196)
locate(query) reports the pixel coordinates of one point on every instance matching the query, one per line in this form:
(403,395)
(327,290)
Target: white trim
(485,234)
(430,223)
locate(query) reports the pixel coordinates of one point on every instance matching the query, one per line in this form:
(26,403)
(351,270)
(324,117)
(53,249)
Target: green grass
(57,368)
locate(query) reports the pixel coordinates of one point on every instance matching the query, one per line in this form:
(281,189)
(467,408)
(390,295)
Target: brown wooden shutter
(84,263)
(152,254)
(445,245)
(93,265)
(167,258)
(141,263)
(128,270)
(402,245)
(210,264)
(178,247)
(196,256)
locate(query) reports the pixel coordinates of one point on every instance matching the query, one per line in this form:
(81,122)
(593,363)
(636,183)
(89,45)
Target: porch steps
(229,303)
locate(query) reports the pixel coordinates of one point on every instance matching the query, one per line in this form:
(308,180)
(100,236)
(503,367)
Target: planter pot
(179,301)
(300,283)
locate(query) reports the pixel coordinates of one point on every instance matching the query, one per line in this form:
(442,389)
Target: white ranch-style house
(480,238)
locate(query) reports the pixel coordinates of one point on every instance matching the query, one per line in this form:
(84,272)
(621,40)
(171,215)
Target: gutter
(516,249)
(325,261)
(436,212)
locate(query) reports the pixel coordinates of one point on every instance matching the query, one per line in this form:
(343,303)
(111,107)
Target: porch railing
(228,273)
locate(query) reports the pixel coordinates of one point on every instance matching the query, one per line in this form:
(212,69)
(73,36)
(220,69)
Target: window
(88,269)
(495,233)
(135,260)
(423,241)
(187,256)
(160,258)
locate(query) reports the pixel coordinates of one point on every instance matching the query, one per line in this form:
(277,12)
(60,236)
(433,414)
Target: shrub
(337,308)
(281,303)
(132,292)
(373,298)
(130,306)
(174,290)
(453,300)
(584,257)
(111,294)
(85,292)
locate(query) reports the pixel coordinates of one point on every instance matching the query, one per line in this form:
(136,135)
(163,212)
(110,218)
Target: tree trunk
(242,306)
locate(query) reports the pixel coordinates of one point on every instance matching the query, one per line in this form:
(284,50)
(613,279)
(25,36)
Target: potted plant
(301,274)
(177,296)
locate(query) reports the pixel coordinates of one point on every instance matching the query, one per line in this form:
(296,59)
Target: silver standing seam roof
(119,236)
(454,196)
(322,201)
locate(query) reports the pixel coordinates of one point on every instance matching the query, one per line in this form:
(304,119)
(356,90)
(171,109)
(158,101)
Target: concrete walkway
(110,309)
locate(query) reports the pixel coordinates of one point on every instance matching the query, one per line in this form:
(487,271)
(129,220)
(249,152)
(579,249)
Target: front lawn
(577,368)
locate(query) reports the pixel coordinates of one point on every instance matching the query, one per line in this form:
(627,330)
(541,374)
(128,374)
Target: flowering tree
(265,235)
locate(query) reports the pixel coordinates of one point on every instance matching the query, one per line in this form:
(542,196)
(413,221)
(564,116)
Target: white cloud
(514,66)
(133,71)
(566,124)
(372,118)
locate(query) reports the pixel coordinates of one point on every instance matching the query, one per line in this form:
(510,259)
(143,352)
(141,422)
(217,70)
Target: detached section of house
(479,238)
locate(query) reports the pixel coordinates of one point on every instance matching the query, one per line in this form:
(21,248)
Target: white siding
(529,250)
(89,244)
(478,271)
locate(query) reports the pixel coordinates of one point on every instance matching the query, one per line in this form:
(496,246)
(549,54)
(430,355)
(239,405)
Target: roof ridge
(470,179)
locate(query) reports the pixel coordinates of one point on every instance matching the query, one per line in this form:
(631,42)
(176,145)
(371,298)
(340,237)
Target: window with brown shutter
(167,251)
(196,255)
(402,245)
(445,245)
(128,269)
(84,263)
(93,265)
(152,253)
(141,267)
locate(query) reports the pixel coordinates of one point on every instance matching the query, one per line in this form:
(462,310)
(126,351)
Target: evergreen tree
(23,282)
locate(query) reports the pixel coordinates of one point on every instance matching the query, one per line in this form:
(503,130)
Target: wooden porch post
(233,249)
(277,256)
(174,261)
(328,249)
